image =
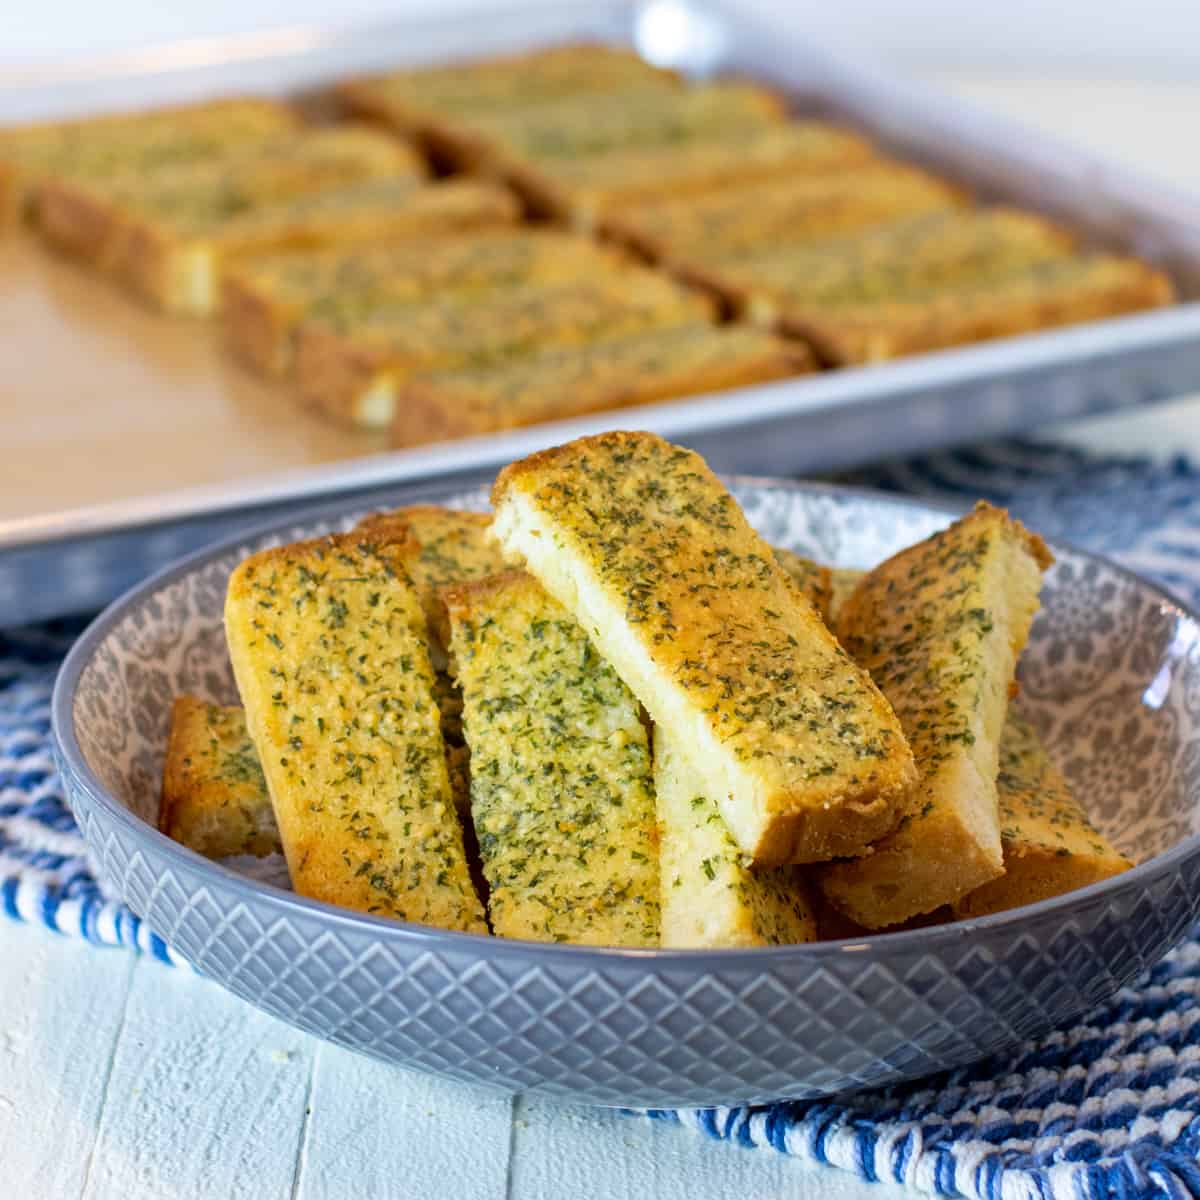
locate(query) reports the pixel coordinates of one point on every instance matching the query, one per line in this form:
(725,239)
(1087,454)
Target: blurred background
(1159,39)
(1121,77)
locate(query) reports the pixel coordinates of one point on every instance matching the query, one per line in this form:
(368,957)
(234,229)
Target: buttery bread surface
(327,640)
(214,796)
(353,372)
(1039,295)
(744,216)
(555,384)
(1049,845)
(653,557)
(940,627)
(561,786)
(266,297)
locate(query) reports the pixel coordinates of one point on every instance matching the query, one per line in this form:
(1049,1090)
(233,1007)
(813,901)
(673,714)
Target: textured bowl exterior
(1111,678)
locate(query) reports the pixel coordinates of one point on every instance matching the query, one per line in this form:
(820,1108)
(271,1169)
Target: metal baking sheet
(131,439)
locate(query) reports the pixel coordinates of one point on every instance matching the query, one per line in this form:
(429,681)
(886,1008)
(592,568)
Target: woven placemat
(1107,1108)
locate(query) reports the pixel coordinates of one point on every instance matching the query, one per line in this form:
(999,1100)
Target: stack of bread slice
(641,730)
(476,247)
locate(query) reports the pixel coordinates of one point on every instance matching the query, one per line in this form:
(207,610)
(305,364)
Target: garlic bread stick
(433,102)
(128,143)
(165,235)
(93,219)
(214,796)
(1049,845)
(932,249)
(582,126)
(642,543)
(1041,295)
(556,384)
(327,641)
(179,267)
(562,794)
(266,297)
(744,216)
(353,373)
(585,191)
(940,627)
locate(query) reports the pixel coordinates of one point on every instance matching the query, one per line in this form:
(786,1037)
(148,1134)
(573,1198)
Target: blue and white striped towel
(1109,1108)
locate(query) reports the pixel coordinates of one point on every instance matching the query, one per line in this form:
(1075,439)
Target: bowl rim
(73,766)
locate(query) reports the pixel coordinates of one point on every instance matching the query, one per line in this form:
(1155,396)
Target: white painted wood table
(121,1079)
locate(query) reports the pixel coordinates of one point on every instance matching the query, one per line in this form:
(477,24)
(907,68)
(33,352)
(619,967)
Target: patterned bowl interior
(1111,676)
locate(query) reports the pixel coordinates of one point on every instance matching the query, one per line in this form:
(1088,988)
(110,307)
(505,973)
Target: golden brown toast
(165,236)
(710,898)
(115,144)
(561,785)
(214,796)
(1043,295)
(183,274)
(582,126)
(587,191)
(93,218)
(354,373)
(327,641)
(743,216)
(618,373)
(265,298)
(940,627)
(641,542)
(1049,845)
(433,103)
(930,250)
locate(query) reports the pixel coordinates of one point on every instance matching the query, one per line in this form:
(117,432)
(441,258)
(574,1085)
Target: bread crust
(355,374)
(265,298)
(741,217)
(652,555)
(931,250)
(1043,296)
(587,191)
(559,384)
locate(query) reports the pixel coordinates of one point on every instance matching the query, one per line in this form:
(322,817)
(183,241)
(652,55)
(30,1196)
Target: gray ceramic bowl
(1111,677)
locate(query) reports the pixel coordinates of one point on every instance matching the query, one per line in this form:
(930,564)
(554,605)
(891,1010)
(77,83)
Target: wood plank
(206,1096)
(377,1130)
(569,1151)
(61,1009)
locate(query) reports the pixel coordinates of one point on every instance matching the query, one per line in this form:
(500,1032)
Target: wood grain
(376,1130)
(206,1096)
(62,1005)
